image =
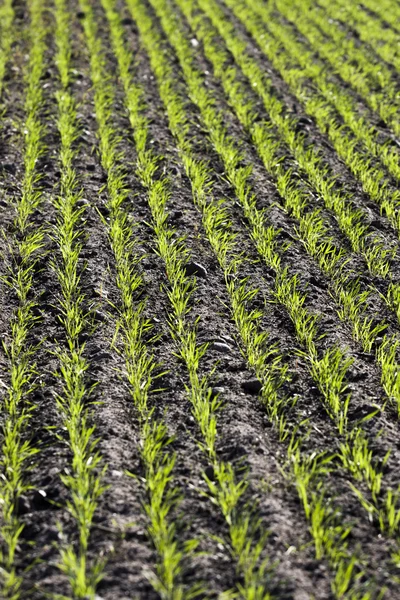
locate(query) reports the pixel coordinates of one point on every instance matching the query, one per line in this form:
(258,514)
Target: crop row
(83,477)
(192,78)
(366,74)
(179,37)
(133,333)
(352,300)
(7,37)
(372,31)
(25,250)
(225,490)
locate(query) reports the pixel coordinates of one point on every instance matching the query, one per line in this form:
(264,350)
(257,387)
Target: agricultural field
(200,299)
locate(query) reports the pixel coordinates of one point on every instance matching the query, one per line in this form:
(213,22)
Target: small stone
(102,356)
(83,202)
(115,473)
(364,411)
(175,215)
(9,167)
(209,473)
(305,121)
(99,316)
(83,337)
(175,171)
(23,505)
(216,391)
(194,268)
(194,42)
(220,347)
(39,500)
(228,339)
(252,386)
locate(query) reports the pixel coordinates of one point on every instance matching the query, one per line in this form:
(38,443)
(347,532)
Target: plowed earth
(246,437)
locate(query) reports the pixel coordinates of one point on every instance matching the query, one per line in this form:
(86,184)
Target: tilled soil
(246,437)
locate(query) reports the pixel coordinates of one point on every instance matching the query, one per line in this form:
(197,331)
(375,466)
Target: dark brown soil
(246,437)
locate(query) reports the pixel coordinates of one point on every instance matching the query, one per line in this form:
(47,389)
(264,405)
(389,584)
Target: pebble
(83,202)
(209,472)
(99,315)
(39,500)
(253,386)
(175,215)
(9,167)
(220,347)
(228,339)
(363,412)
(215,391)
(194,268)
(23,506)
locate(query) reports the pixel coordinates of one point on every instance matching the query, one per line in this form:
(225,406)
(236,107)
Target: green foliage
(83,479)
(132,332)
(26,247)
(358,459)
(226,491)
(318,103)
(330,373)
(7,36)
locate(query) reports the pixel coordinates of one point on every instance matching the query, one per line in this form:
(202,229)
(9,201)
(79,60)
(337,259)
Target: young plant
(26,249)
(132,333)
(6,37)
(84,477)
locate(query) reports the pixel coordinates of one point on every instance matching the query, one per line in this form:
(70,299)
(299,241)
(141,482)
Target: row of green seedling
(329,372)
(83,477)
(312,229)
(322,104)
(133,339)
(348,60)
(26,248)
(263,358)
(226,491)
(352,300)
(334,93)
(371,31)
(7,31)
(352,221)
(388,11)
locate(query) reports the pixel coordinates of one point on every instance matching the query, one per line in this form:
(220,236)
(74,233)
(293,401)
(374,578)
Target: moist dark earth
(246,437)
